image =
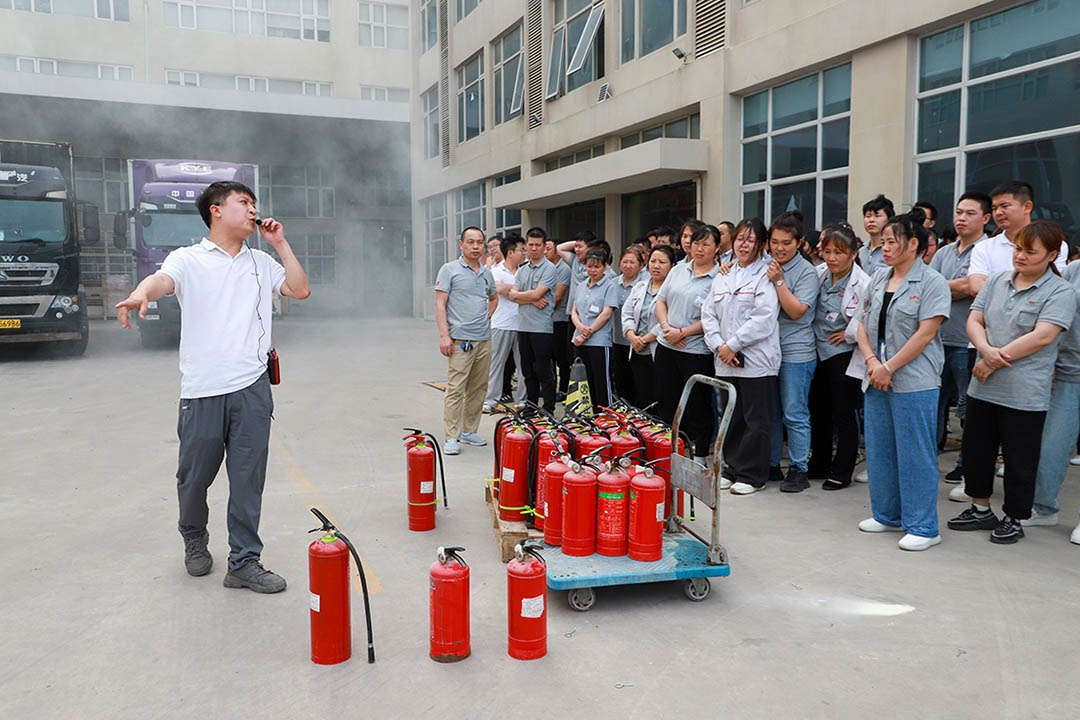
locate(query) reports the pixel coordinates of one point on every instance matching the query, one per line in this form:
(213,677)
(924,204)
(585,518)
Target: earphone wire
(258,313)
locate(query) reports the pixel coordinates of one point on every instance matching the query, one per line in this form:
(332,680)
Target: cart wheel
(581,599)
(697,589)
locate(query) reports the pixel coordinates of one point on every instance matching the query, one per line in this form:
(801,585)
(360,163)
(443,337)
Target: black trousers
(1019,433)
(561,353)
(641,367)
(834,402)
(535,349)
(508,375)
(621,375)
(748,443)
(597,361)
(671,370)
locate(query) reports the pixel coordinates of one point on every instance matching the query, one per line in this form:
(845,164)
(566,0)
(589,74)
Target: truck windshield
(23,220)
(174,229)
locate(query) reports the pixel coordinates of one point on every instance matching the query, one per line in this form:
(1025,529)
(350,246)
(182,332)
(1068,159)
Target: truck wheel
(74,348)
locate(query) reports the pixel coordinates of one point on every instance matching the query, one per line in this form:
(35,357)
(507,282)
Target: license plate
(10,324)
(152,317)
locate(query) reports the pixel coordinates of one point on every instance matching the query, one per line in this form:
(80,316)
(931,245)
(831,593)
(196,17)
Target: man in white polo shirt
(225,290)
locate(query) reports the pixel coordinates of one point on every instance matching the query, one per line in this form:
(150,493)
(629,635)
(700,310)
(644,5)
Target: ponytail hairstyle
(791,222)
(1049,235)
(909,226)
(840,235)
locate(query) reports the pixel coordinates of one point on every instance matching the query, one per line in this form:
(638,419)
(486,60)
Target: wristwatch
(779,282)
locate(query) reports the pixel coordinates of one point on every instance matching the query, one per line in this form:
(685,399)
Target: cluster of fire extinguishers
(594,484)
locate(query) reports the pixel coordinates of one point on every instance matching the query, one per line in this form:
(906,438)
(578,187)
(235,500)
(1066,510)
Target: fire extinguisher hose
(417,434)
(329,528)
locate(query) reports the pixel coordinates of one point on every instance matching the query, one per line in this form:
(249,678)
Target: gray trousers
(503,342)
(236,427)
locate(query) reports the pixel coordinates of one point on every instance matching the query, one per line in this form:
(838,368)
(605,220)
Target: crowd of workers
(825,338)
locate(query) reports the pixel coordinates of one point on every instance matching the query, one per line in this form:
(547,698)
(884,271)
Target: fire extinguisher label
(314,602)
(545,508)
(660,512)
(508,475)
(427,487)
(532,607)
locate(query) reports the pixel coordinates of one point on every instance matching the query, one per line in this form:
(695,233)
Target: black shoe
(560,397)
(955,476)
(197,558)
(836,483)
(796,481)
(1007,531)
(972,519)
(776,474)
(254,576)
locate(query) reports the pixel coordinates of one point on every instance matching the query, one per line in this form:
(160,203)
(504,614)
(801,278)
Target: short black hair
(879,203)
(508,243)
(585,236)
(730,226)
(791,221)
(602,245)
(948,234)
(929,207)
(1017,188)
(980,197)
(536,231)
(596,254)
(666,250)
(665,230)
(215,194)
(461,239)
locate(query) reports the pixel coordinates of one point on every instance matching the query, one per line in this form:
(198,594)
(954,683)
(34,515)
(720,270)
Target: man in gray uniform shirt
(560,317)
(952,261)
(464,300)
(534,292)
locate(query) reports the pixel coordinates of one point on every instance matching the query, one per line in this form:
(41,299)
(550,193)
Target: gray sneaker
(197,558)
(254,577)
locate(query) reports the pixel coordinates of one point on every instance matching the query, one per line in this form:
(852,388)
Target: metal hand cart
(691,559)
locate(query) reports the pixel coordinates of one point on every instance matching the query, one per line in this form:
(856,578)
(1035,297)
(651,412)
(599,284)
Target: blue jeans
(901,458)
(794,411)
(955,377)
(1059,431)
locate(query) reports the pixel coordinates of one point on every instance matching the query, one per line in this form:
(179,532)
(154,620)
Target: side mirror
(91,225)
(146,219)
(120,225)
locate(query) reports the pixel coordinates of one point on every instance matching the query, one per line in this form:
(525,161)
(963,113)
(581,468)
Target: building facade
(619,115)
(313,92)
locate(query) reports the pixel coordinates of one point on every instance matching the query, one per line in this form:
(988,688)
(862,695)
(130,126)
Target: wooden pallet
(508,534)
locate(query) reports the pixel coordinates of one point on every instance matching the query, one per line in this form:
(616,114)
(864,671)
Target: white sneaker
(473,439)
(1075,537)
(741,488)
(725,483)
(1075,460)
(1038,519)
(488,408)
(452,447)
(871,525)
(863,477)
(1001,470)
(958,494)
(915,543)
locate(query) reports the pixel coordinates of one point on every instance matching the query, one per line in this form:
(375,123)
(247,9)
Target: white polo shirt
(223,343)
(994,255)
(505,316)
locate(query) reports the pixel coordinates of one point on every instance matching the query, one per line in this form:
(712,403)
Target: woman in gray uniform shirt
(898,339)
(682,351)
(1015,325)
(639,323)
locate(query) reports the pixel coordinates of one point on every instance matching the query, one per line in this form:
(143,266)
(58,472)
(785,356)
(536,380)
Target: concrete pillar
(613,222)
(882,125)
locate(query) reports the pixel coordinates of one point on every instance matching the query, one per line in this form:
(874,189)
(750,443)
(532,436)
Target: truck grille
(27,274)
(24,310)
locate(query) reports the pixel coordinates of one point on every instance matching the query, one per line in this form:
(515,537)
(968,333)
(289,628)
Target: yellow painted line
(310,496)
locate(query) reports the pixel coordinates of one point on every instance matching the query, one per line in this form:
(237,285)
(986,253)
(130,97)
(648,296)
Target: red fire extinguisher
(579,511)
(449,606)
(646,534)
(526,596)
(421,451)
(612,508)
(553,499)
(627,442)
(328,583)
(514,474)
